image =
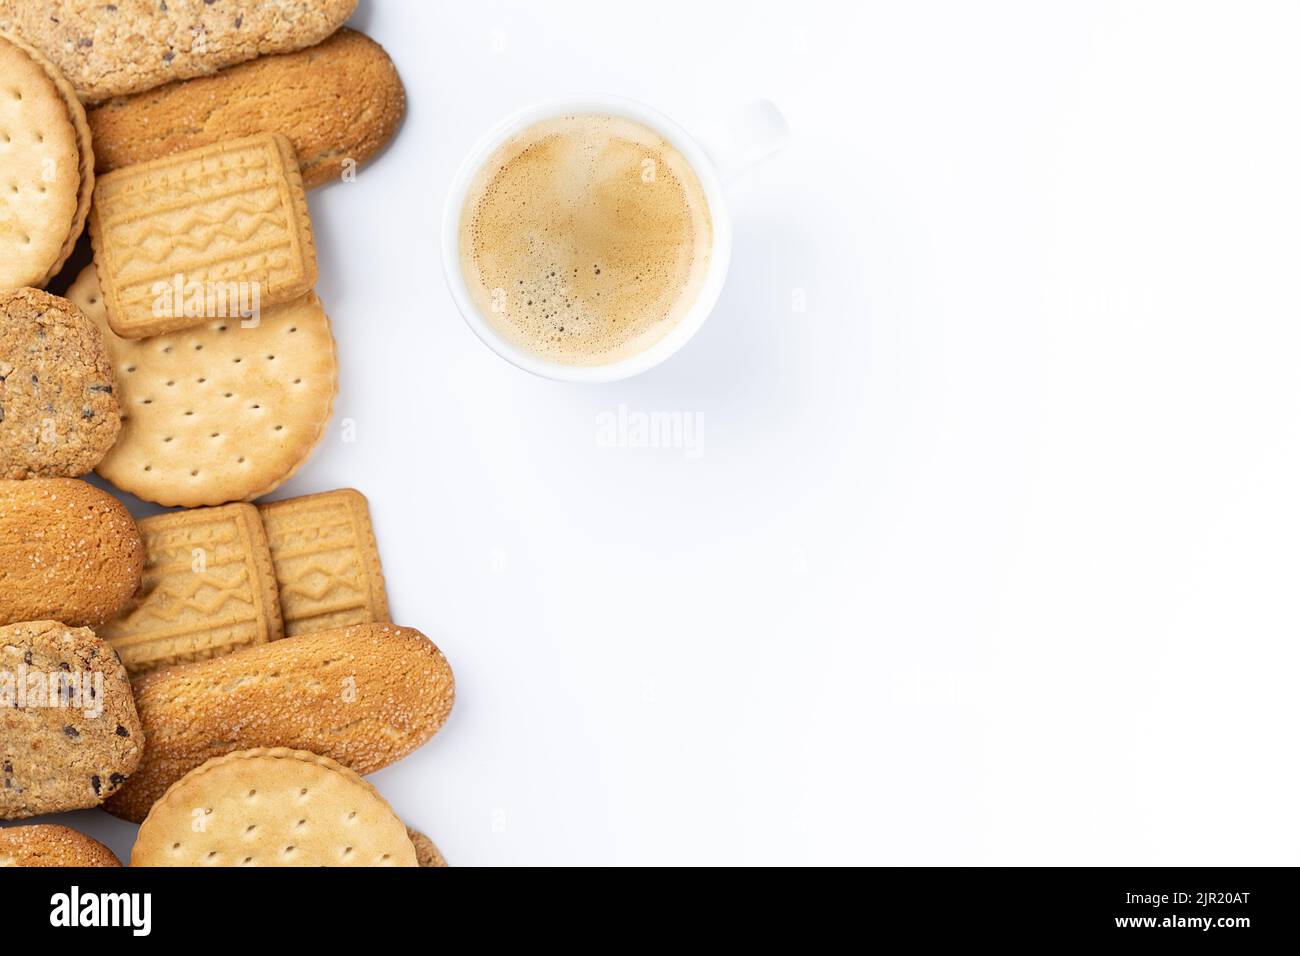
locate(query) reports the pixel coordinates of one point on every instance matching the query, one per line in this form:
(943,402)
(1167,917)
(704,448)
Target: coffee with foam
(585,239)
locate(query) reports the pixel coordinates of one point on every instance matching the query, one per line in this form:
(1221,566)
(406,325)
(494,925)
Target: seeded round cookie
(275,807)
(219,412)
(49,845)
(69,733)
(40,170)
(67,550)
(58,413)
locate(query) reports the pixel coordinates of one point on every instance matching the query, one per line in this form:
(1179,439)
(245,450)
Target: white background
(991,553)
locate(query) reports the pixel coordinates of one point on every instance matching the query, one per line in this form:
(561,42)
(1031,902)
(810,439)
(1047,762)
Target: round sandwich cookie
(58,411)
(49,845)
(85,149)
(272,807)
(225,411)
(40,170)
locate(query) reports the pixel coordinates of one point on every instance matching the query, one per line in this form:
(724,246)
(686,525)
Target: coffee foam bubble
(585,239)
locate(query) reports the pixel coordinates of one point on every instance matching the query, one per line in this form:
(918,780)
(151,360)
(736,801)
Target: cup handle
(741,139)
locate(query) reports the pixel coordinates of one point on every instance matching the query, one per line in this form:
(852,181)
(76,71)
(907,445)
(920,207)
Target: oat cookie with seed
(58,410)
(69,734)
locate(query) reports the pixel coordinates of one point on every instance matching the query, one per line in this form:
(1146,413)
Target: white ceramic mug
(725,149)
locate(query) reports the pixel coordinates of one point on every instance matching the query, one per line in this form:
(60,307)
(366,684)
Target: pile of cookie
(222,674)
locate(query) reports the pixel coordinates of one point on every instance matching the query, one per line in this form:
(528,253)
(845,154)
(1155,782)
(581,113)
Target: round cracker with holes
(85,149)
(222,412)
(40,170)
(272,807)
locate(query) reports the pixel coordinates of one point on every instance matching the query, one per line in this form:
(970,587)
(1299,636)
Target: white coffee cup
(728,147)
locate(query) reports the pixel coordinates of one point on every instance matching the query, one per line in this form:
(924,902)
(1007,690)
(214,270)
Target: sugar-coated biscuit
(339,102)
(58,413)
(40,170)
(221,412)
(68,551)
(107,49)
(272,807)
(204,234)
(208,589)
(326,561)
(50,845)
(365,696)
(69,734)
(426,851)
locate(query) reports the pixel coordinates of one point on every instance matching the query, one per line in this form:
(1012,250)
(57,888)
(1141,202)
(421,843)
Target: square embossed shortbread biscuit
(326,561)
(221,412)
(40,170)
(275,807)
(228,221)
(208,589)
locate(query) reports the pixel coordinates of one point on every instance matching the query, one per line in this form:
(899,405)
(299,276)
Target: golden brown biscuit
(107,49)
(58,413)
(208,589)
(339,101)
(365,696)
(40,170)
(67,551)
(222,412)
(69,734)
(426,851)
(272,807)
(218,232)
(85,148)
(326,561)
(48,845)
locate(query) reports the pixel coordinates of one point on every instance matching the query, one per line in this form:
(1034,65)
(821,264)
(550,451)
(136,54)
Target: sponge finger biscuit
(68,552)
(108,49)
(366,696)
(49,845)
(339,102)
